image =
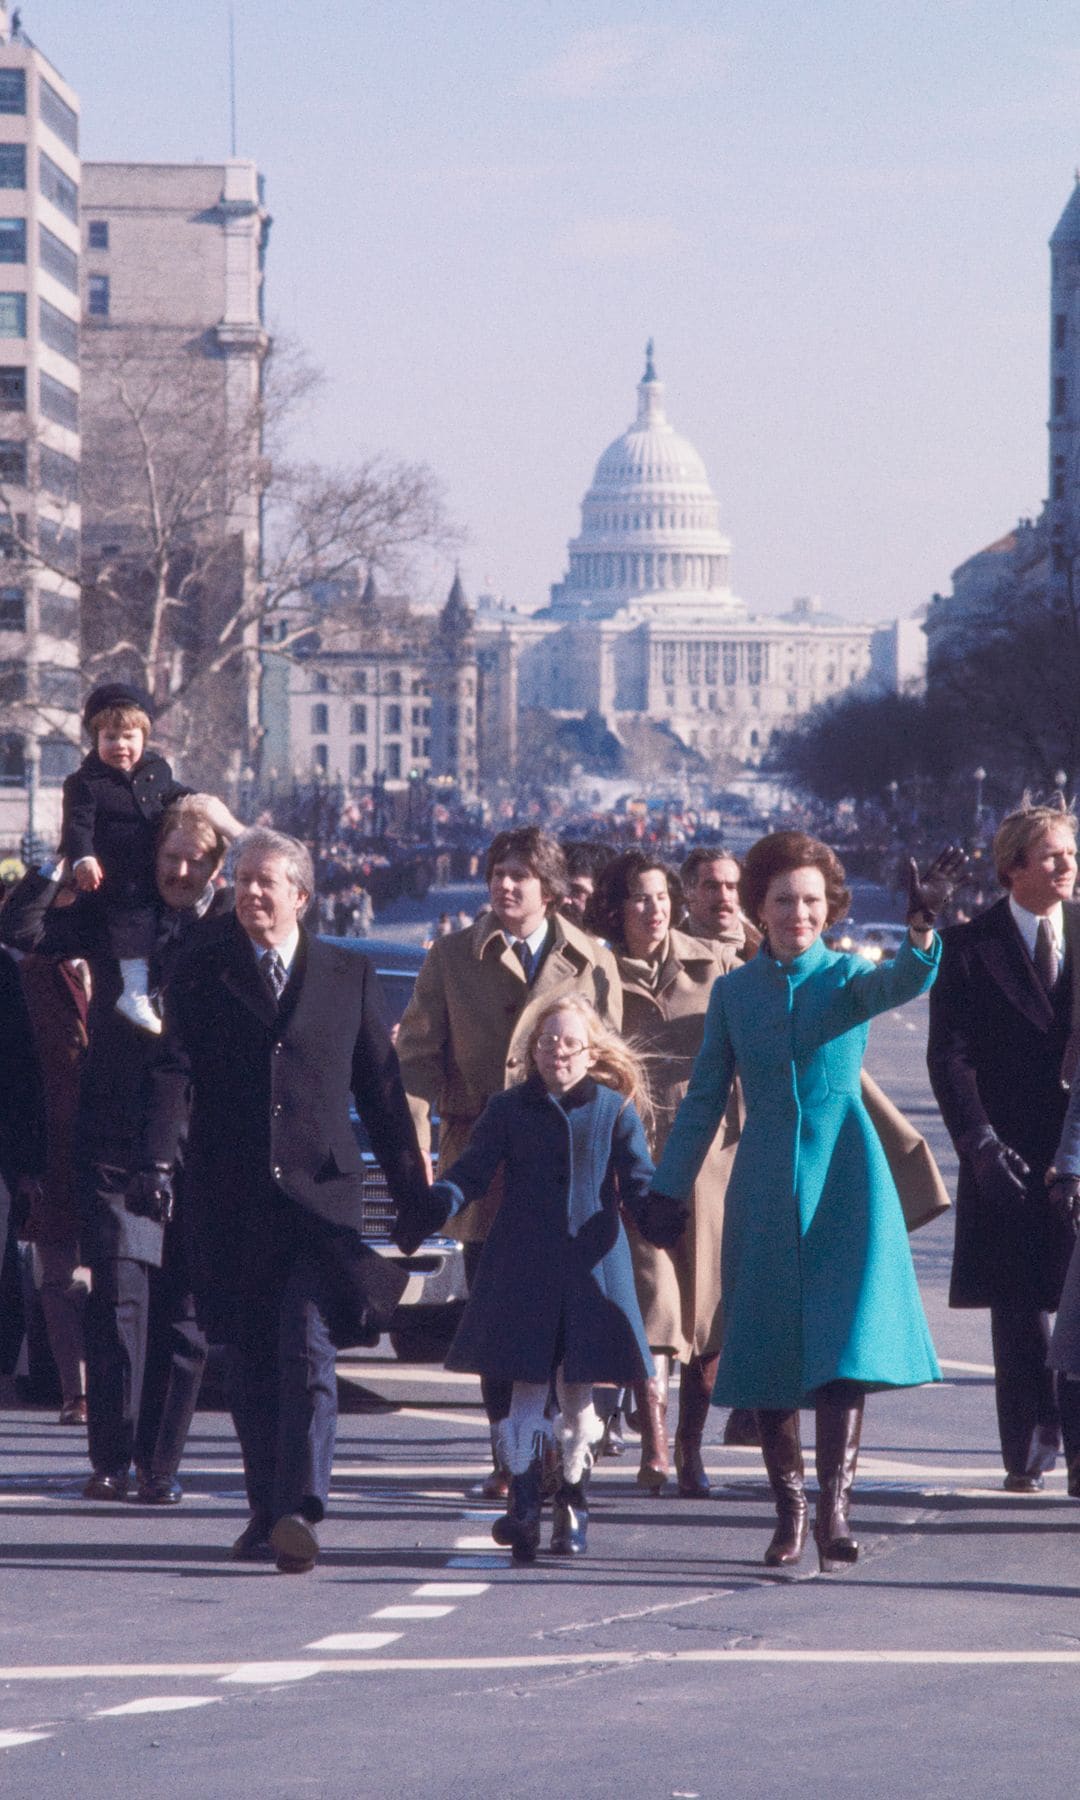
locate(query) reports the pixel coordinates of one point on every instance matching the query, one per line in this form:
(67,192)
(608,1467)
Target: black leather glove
(422,1221)
(149,1194)
(1001,1174)
(663,1220)
(1065,1198)
(929,893)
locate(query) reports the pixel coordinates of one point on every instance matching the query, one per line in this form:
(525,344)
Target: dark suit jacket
(270,1125)
(22,1141)
(995,1053)
(113,1118)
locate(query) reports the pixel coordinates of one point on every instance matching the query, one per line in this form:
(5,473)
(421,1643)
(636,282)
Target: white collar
(1027,924)
(535,940)
(286,951)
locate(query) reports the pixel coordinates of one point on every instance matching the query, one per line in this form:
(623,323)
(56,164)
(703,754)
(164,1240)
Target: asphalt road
(135,1658)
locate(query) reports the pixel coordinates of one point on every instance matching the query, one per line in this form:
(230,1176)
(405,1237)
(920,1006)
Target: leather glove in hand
(149,1194)
(1001,1174)
(929,893)
(422,1221)
(1065,1199)
(663,1220)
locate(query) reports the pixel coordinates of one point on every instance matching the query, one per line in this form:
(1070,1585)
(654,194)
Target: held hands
(929,893)
(422,1221)
(1065,1197)
(1001,1174)
(149,1194)
(663,1220)
(88,874)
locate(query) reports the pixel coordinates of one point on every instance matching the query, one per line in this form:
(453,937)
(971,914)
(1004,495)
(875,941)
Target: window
(12,537)
(1060,390)
(59,546)
(12,753)
(12,609)
(12,165)
(359,681)
(12,90)
(393,762)
(58,615)
(58,187)
(321,757)
(731,664)
(393,682)
(58,116)
(320,683)
(358,762)
(58,331)
(97,296)
(58,760)
(12,681)
(59,687)
(12,460)
(61,263)
(59,402)
(12,390)
(13,315)
(1061,322)
(13,240)
(59,473)
(97,234)
(393,718)
(320,717)
(358,720)
(755,662)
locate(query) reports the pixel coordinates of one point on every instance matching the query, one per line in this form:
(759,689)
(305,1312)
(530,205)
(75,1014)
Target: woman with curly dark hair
(820,1299)
(667,977)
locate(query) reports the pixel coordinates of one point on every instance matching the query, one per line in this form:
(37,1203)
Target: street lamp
(978,776)
(1061,781)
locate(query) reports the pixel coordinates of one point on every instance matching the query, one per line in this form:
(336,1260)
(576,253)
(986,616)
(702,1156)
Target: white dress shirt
(1027,924)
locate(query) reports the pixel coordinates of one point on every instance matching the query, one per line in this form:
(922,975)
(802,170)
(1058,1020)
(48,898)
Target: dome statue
(650,540)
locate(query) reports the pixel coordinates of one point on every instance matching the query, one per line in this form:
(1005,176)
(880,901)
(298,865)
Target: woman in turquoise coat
(820,1298)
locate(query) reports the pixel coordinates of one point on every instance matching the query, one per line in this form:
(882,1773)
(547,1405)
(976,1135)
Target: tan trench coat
(679,1289)
(464,1033)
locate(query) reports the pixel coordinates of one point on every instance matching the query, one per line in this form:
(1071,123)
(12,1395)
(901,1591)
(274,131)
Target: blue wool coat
(816,1270)
(555,1281)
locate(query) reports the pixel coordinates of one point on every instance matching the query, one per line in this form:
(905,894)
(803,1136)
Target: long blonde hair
(616,1063)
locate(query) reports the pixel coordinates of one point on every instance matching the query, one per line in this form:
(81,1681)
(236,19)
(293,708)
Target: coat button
(277,1049)
(276,1171)
(277,1109)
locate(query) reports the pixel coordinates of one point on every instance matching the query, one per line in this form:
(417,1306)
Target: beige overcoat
(679,1289)
(464,1033)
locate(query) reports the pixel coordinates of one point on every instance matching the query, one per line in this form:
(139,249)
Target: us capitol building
(644,625)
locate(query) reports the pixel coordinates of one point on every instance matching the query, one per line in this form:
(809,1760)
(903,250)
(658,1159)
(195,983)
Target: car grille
(379,1211)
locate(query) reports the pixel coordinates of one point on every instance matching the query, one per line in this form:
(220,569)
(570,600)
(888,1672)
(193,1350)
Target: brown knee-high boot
(782,1453)
(839,1425)
(651,1399)
(695,1393)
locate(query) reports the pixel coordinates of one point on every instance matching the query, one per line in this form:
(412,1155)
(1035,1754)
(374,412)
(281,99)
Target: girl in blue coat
(820,1298)
(554,1293)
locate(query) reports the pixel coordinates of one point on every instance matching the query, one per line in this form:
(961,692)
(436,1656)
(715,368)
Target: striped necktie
(273,972)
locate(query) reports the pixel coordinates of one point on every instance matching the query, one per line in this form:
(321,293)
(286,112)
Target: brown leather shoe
(295,1545)
(73,1412)
(253,1544)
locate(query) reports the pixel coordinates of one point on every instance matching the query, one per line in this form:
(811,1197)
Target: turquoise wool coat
(555,1281)
(816,1271)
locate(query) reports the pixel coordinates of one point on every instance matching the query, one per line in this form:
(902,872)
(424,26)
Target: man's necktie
(525,958)
(273,972)
(1046,962)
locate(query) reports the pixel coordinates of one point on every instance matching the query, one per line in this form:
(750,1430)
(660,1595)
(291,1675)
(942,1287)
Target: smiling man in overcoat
(1001,1012)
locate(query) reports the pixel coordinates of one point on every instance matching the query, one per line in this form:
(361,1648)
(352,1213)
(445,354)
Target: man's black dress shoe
(295,1545)
(158,1490)
(253,1544)
(107,1486)
(1023,1484)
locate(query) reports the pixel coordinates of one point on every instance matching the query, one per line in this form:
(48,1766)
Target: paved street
(134,1657)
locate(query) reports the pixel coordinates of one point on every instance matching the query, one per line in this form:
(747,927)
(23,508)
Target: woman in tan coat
(667,977)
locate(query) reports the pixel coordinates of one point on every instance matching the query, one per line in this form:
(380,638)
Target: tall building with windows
(174,336)
(39,437)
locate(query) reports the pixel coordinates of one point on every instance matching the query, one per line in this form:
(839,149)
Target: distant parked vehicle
(432,1304)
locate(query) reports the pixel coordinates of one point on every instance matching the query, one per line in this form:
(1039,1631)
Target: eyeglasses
(572,1045)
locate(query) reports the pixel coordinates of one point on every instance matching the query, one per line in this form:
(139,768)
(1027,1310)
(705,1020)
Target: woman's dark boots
(782,1452)
(651,1399)
(695,1394)
(570,1522)
(839,1425)
(520,1524)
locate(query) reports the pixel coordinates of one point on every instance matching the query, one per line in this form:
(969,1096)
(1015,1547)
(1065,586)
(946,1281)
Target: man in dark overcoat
(145,1353)
(275,1030)
(1000,1018)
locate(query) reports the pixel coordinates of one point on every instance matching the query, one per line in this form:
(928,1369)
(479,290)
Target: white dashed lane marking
(355,1640)
(259,1672)
(405,1610)
(10,1740)
(160,1703)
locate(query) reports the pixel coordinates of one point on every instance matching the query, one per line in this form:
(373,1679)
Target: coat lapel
(1007,962)
(240,974)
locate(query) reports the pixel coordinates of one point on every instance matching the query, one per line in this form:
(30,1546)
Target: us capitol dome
(650,538)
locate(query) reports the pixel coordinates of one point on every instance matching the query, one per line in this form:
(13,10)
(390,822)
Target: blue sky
(832,217)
